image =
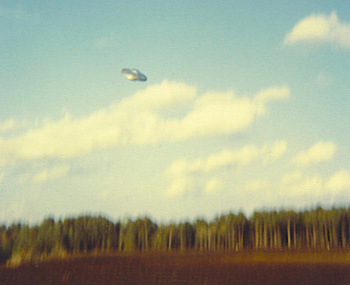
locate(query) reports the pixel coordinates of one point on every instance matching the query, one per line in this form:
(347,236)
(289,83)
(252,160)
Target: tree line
(264,230)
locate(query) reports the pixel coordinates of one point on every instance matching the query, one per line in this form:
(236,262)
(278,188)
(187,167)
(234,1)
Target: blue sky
(246,107)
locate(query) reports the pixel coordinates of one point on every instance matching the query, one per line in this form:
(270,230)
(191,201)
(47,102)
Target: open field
(188,268)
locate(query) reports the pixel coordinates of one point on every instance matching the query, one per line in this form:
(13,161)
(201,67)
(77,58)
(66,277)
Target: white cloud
(321,151)
(213,186)
(7,125)
(257,185)
(223,159)
(272,93)
(10,125)
(228,158)
(180,186)
(181,171)
(291,177)
(296,184)
(320,28)
(339,180)
(297,189)
(137,120)
(164,95)
(309,186)
(274,152)
(44,175)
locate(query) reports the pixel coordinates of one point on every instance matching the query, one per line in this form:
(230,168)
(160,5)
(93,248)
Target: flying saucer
(134,74)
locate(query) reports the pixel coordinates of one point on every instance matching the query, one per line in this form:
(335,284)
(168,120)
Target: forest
(264,230)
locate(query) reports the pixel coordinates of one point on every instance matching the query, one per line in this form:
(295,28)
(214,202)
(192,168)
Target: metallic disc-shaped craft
(134,74)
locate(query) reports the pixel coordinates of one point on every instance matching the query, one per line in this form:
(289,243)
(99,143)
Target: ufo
(134,74)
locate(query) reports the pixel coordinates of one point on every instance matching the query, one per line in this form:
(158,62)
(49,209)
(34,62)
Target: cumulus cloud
(320,28)
(138,120)
(214,162)
(294,189)
(321,151)
(213,186)
(310,185)
(7,125)
(257,185)
(271,153)
(10,125)
(339,180)
(183,170)
(44,174)
(228,158)
(180,186)
(291,177)
(272,93)
(295,184)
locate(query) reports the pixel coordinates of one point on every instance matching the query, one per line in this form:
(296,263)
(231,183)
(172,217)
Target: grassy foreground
(190,267)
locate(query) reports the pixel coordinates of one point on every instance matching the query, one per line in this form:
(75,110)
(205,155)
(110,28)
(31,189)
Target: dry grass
(248,267)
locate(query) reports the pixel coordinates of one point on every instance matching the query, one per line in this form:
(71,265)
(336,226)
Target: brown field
(301,267)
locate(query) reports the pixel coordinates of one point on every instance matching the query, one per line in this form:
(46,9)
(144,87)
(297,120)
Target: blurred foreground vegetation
(268,230)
